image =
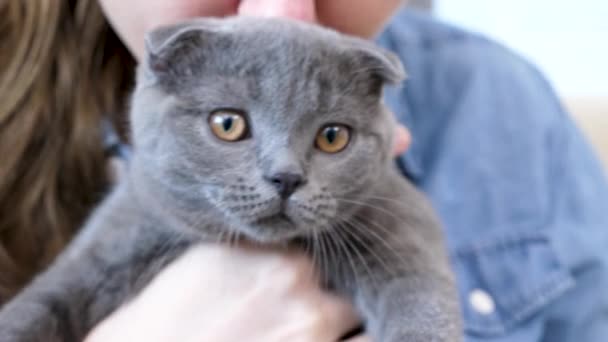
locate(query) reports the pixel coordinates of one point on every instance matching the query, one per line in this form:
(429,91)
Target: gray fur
(382,244)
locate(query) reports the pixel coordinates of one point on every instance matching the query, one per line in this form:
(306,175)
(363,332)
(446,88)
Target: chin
(273,230)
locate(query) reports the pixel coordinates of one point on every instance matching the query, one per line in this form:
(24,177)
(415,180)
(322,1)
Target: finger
(402,142)
(339,316)
(360,338)
(296,9)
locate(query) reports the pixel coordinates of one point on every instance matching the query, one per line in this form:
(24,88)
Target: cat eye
(228,125)
(332,138)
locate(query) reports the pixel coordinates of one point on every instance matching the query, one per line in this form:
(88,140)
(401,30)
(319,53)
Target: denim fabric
(523,200)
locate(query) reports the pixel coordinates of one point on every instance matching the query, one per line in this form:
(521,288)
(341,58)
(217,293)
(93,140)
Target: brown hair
(61,70)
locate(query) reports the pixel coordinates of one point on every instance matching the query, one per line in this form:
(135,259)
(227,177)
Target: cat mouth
(275,228)
(277,218)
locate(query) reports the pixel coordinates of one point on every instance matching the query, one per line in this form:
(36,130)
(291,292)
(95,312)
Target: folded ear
(378,62)
(173,50)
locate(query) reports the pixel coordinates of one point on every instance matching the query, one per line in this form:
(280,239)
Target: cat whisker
(238,237)
(359,255)
(370,233)
(220,237)
(360,237)
(363,204)
(309,250)
(315,247)
(342,248)
(323,259)
(383,198)
(379,238)
(233,236)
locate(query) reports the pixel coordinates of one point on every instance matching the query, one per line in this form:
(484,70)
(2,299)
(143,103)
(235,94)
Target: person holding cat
(521,196)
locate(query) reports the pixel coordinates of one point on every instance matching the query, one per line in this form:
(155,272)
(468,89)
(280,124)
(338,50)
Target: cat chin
(272,231)
(271,239)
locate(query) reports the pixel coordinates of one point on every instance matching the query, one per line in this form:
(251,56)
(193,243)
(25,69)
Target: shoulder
(443,61)
(461,83)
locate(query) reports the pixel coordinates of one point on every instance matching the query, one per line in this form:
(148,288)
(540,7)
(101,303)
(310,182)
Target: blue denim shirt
(523,199)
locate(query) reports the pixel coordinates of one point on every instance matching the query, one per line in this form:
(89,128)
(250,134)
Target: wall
(568,40)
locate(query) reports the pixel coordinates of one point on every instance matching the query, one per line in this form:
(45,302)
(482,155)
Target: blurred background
(567,40)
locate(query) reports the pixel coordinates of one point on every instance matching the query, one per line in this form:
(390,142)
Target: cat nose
(286,183)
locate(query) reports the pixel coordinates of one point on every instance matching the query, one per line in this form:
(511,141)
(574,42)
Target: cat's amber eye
(228,125)
(332,138)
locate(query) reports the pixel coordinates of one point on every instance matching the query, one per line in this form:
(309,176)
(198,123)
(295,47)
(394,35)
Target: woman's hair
(62,70)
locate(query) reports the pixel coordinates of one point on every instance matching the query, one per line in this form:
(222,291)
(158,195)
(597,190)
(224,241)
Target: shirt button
(482,302)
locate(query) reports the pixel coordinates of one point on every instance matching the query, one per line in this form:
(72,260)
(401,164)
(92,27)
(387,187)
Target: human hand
(402,142)
(217,293)
(132,19)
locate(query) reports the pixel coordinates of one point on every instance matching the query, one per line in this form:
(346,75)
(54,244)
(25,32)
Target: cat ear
(381,63)
(168,49)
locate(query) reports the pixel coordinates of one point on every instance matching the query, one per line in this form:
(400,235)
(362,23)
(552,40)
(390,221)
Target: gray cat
(272,131)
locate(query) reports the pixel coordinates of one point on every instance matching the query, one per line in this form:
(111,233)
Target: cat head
(275,126)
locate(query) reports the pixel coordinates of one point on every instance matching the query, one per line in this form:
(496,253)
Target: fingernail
(296,9)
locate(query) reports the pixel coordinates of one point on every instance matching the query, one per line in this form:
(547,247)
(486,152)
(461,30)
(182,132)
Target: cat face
(276,126)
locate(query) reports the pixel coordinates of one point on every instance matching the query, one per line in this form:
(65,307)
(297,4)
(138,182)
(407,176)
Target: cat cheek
(212,194)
